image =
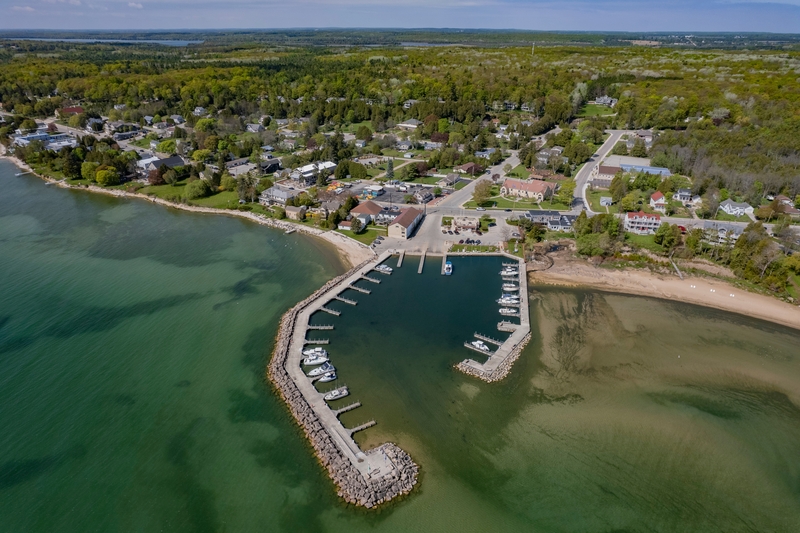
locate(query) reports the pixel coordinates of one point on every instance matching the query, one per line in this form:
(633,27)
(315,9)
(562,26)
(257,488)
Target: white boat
(324,369)
(510,287)
(384,268)
(331,376)
(336,394)
(508,301)
(480,345)
(507,311)
(290,231)
(316,359)
(448,268)
(315,351)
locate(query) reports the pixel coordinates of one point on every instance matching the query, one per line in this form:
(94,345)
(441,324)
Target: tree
(88,170)
(170,177)
(408,199)
(482,192)
(197,189)
(107,176)
(619,187)
(668,236)
(154,177)
(166,147)
(566,192)
(364,133)
(28,125)
(71,168)
(201,155)
(507,168)
(390,169)
(437,191)
(228,183)
(639,149)
(620,149)
(355,225)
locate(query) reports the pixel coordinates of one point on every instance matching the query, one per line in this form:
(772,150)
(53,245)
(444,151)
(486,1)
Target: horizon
(603,16)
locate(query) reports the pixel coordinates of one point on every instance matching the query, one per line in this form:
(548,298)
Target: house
(275,195)
(721,232)
(369,210)
(658,202)
(606,201)
(485,154)
(784,200)
(564,223)
(361,143)
(290,144)
(148,119)
(423,196)
(410,124)
(120,107)
(509,106)
(735,209)
(448,181)
(51,142)
(254,128)
(684,196)
(295,213)
(177,119)
(163,125)
(663,172)
(543,217)
(408,104)
(431,145)
(642,223)
(472,169)
(199,111)
(94,125)
(346,225)
(169,162)
(270,164)
(404,225)
(69,111)
(526,107)
(404,146)
(603,174)
(536,190)
(386,215)
(606,100)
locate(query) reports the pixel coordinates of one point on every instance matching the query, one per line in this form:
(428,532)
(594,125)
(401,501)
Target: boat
(448,268)
(315,351)
(290,231)
(510,287)
(508,301)
(316,359)
(330,376)
(507,311)
(384,268)
(324,369)
(336,394)
(480,345)
(509,296)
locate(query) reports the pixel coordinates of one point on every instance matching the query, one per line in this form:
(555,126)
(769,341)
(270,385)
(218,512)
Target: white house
(684,196)
(642,223)
(736,209)
(658,202)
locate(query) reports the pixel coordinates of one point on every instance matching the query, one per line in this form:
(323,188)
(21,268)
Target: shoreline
(696,290)
(350,251)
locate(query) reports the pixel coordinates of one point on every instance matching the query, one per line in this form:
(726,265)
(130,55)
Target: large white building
(642,223)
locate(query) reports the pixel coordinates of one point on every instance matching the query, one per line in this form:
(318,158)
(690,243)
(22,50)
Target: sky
(551,15)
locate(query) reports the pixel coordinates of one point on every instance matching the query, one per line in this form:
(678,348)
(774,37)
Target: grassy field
(519,171)
(473,248)
(460,185)
(594,110)
(446,221)
(365,236)
(643,241)
(721,215)
(221,200)
(594,200)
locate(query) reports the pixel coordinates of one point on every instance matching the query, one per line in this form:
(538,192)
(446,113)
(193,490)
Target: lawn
(525,205)
(460,185)
(485,221)
(166,192)
(221,200)
(365,236)
(643,241)
(427,180)
(721,215)
(446,221)
(594,110)
(519,171)
(473,248)
(594,200)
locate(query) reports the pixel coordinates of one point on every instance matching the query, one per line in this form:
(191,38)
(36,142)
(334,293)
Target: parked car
(480,209)
(461,241)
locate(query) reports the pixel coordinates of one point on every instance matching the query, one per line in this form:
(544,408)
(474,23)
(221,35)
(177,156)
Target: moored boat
(510,287)
(315,351)
(480,345)
(324,369)
(507,311)
(331,376)
(316,359)
(448,268)
(336,394)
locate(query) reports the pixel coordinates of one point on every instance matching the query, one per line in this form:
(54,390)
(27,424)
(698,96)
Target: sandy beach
(573,272)
(351,251)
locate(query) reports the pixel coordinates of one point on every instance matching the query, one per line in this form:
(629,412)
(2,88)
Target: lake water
(164,42)
(133,341)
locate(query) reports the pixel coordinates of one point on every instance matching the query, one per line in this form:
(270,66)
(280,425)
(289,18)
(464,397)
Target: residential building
(448,181)
(276,195)
(361,143)
(721,232)
(255,128)
(642,223)
(295,213)
(369,210)
(69,111)
(199,111)
(404,225)
(606,100)
(485,154)
(658,202)
(472,169)
(431,145)
(410,124)
(536,190)
(54,142)
(177,119)
(543,217)
(564,223)
(684,196)
(169,162)
(423,196)
(404,146)
(120,107)
(606,201)
(735,209)
(408,104)
(663,172)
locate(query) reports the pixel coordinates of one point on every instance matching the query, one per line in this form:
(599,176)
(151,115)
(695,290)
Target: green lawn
(721,215)
(472,248)
(485,223)
(427,180)
(643,241)
(166,192)
(505,203)
(594,110)
(446,221)
(460,185)
(594,200)
(519,171)
(221,200)
(365,236)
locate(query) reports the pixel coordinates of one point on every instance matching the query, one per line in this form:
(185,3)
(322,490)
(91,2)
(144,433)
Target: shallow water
(133,341)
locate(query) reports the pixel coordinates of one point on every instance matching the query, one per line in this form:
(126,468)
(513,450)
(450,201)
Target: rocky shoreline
(502,369)
(352,485)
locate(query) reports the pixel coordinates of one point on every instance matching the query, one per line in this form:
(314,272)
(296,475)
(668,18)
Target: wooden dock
(330,311)
(490,340)
(346,408)
(421,262)
(370,279)
(400,259)
(471,347)
(360,289)
(507,327)
(318,341)
(444,261)
(320,326)
(362,427)
(345,300)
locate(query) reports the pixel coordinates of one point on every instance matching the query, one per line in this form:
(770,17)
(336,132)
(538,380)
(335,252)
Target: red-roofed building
(642,223)
(536,190)
(368,211)
(69,111)
(404,225)
(658,202)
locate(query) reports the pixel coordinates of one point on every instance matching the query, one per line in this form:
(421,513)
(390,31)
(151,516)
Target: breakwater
(362,478)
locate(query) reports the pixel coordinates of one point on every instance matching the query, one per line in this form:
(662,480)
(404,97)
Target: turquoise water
(133,342)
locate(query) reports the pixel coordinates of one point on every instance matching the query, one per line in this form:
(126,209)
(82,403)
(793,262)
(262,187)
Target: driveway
(582,178)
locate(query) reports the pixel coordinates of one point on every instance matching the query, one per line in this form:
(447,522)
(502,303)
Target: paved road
(582,178)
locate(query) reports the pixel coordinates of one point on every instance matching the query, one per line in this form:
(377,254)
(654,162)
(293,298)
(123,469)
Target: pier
(345,300)
(320,326)
(499,362)
(370,279)
(363,477)
(346,408)
(318,341)
(490,340)
(330,311)
(422,261)
(360,289)
(362,427)
(444,261)
(400,259)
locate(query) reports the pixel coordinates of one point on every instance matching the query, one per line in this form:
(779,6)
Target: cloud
(26,9)
(137,5)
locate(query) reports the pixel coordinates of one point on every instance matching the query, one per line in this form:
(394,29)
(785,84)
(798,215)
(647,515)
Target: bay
(133,344)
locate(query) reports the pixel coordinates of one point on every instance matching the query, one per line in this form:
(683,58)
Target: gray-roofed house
(563,223)
(169,162)
(735,209)
(684,196)
(275,195)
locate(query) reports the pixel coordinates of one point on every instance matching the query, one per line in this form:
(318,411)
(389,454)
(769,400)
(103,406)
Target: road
(582,178)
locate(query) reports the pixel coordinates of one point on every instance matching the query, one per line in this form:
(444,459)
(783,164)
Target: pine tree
(390,169)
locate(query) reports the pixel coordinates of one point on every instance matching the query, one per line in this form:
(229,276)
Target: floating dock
(444,261)
(370,279)
(362,427)
(330,311)
(360,289)
(490,340)
(320,326)
(346,408)
(318,341)
(345,300)
(473,348)
(400,259)
(421,262)
(506,326)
